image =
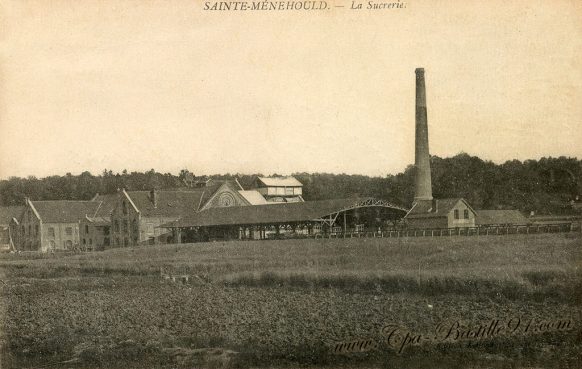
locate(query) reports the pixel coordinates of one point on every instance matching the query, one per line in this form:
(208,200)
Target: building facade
(441,213)
(138,216)
(279,189)
(7,215)
(51,225)
(95,233)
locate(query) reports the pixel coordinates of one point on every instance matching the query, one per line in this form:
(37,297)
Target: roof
(500,217)
(99,221)
(270,214)
(64,211)
(108,203)
(254,197)
(424,208)
(172,203)
(9,212)
(280,181)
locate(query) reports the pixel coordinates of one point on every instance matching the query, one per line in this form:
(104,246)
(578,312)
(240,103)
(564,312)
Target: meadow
(288,303)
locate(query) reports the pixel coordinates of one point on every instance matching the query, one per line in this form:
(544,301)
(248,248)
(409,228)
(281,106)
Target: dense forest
(544,186)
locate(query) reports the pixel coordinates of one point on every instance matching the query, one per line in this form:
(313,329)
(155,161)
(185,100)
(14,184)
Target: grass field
(287,303)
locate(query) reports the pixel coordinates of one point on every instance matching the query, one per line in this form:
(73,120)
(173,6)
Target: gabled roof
(108,203)
(269,214)
(9,212)
(64,211)
(170,203)
(425,208)
(253,197)
(280,181)
(485,217)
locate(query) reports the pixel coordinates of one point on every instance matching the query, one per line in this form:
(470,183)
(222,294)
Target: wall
(282,191)
(461,222)
(225,196)
(151,233)
(15,233)
(94,237)
(440,222)
(30,228)
(59,236)
(125,224)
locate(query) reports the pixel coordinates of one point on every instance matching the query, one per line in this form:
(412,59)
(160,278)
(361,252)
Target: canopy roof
(277,213)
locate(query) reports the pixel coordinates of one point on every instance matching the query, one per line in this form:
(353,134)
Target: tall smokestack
(422,181)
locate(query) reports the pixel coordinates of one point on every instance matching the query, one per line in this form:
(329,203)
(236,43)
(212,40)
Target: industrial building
(272,207)
(430,213)
(294,219)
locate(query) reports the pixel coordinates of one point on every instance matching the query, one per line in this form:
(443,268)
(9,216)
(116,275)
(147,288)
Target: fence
(469,231)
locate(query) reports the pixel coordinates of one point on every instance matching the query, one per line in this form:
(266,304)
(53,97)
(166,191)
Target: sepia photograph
(290,184)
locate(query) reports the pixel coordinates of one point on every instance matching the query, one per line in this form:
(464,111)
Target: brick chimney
(422,181)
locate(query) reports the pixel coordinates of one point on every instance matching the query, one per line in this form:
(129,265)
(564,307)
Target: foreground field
(287,303)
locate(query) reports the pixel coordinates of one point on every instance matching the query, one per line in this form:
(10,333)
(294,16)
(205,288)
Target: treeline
(544,186)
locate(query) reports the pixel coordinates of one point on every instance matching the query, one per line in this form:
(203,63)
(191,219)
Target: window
(124,206)
(84,241)
(68,244)
(52,244)
(106,231)
(106,241)
(125,242)
(86,228)
(51,232)
(69,231)
(116,226)
(90,241)
(456,213)
(36,229)
(288,190)
(125,226)
(466,213)
(150,228)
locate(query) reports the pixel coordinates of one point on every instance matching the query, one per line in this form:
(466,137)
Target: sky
(165,84)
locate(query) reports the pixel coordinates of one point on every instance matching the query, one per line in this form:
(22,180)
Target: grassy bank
(285,303)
